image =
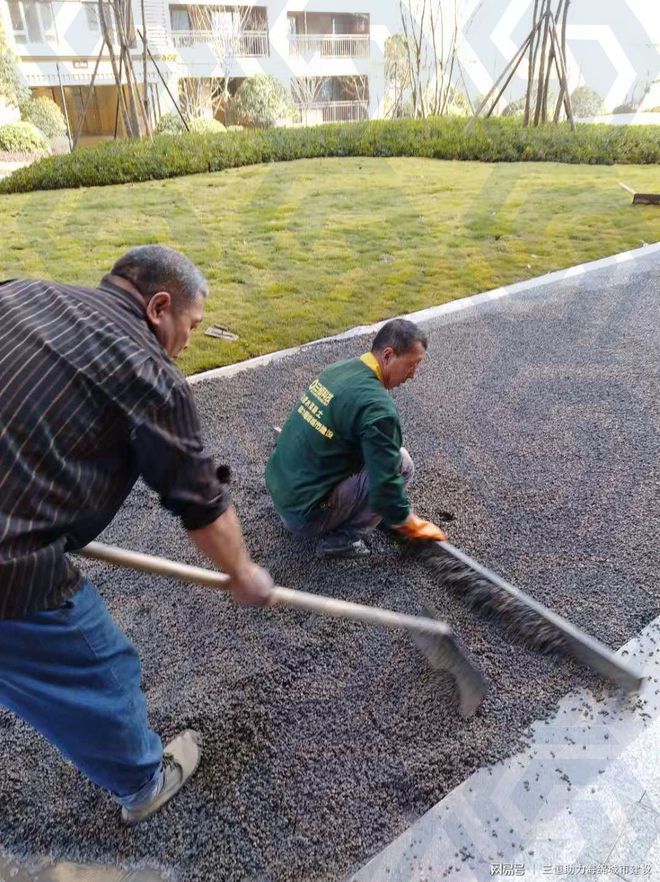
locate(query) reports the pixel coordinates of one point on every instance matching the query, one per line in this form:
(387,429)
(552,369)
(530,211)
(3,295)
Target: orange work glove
(418,528)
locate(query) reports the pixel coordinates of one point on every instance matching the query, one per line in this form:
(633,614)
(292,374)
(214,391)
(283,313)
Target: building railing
(330,45)
(248,44)
(332,112)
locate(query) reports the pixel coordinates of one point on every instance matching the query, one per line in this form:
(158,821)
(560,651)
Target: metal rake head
(444,653)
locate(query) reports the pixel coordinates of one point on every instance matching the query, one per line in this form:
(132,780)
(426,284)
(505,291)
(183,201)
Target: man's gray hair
(400,335)
(154,268)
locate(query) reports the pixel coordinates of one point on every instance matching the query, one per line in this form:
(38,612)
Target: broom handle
(325,606)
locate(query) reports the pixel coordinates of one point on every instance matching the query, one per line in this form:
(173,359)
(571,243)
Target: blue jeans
(73,675)
(347,507)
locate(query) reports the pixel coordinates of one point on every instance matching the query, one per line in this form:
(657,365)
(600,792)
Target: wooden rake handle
(325,606)
(434,638)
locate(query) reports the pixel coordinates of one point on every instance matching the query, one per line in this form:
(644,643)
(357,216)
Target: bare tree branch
(306,92)
(430,53)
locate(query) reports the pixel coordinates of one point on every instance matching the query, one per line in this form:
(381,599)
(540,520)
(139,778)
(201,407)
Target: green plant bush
(586,102)
(12,88)
(491,140)
(170,124)
(22,137)
(625,108)
(45,115)
(206,126)
(515,108)
(260,102)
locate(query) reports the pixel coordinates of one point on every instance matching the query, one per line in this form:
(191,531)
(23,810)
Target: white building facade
(329,54)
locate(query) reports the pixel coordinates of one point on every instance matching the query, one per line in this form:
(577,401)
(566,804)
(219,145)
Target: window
(32,21)
(180,18)
(92,16)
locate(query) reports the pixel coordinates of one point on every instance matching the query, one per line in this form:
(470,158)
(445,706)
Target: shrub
(490,140)
(515,108)
(170,124)
(586,102)
(260,102)
(625,108)
(22,137)
(12,88)
(459,104)
(206,126)
(45,115)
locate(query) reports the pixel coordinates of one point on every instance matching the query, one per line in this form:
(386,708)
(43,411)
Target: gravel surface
(534,427)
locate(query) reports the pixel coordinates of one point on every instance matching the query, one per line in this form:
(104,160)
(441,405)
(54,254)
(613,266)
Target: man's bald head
(154,268)
(172,288)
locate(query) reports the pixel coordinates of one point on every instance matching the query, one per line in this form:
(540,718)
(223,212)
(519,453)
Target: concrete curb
(434,312)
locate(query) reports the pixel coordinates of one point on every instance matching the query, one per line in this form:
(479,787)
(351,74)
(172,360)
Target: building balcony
(332,112)
(248,44)
(330,45)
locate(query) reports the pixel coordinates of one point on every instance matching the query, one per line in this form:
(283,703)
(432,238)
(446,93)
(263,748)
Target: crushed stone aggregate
(534,428)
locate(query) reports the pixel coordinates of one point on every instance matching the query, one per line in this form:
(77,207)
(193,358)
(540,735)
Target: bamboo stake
(546,84)
(145,88)
(88,97)
(539,96)
(467,91)
(563,76)
(124,19)
(507,73)
(113,63)
(164,82)
(64,107)
(532,60)
(121,71)
(560,99)
(567,3)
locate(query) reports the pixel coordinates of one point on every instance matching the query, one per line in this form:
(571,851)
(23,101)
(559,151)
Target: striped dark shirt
(89,401)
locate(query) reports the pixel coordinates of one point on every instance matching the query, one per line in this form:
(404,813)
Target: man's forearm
(222,542)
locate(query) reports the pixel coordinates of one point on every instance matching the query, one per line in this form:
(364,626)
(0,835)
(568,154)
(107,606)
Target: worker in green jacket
(339,469)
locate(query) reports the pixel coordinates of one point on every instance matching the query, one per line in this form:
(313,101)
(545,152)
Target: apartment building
(329,54)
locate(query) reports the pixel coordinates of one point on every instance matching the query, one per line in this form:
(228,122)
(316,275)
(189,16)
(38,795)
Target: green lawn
(296,251)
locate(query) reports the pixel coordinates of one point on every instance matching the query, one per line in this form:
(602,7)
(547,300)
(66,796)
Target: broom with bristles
(525,619)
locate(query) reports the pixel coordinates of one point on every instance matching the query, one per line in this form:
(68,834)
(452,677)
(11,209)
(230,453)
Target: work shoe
(341,544)
(180,760)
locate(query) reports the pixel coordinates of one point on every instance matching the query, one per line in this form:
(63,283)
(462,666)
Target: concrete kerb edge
(434,312)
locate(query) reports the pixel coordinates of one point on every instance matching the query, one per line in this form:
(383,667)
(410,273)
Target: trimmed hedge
(170,123)
(45,115)
(22,137)
(205,126)
(492,140)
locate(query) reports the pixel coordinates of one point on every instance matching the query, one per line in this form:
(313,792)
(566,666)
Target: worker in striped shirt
(90,399)
(339,467)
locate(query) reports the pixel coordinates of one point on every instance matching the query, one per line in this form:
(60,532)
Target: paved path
(6,168)
(582,798)
(534,426)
